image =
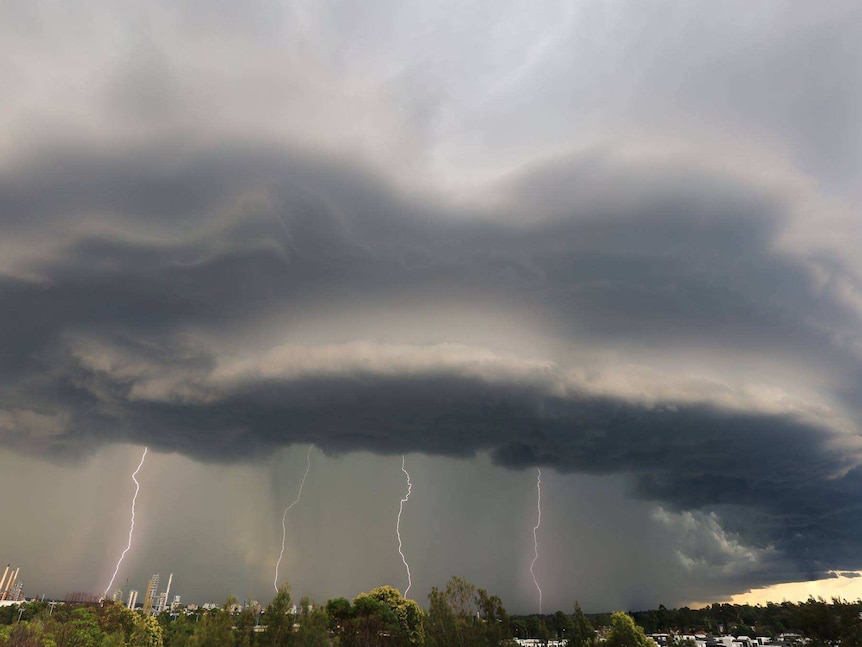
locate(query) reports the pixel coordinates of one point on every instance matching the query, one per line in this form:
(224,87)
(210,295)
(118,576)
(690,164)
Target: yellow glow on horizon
(848,588)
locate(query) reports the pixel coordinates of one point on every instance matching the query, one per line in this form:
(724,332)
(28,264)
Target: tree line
(458,615)
(822,622)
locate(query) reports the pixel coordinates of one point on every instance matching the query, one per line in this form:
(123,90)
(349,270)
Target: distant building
(152,593)
(7,582)
(133,598)
(163,597)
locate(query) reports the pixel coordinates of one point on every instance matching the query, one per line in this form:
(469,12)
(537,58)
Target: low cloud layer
(680,308)
(237,336)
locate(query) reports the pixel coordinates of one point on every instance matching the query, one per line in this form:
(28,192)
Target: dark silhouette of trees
(459,615)
(462,615)
(582,632)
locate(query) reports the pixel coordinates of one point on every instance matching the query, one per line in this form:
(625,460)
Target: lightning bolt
(132,524)
(535,538)
(398,525)
(286,510)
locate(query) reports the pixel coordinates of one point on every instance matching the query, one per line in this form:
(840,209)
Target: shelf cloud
(219,246)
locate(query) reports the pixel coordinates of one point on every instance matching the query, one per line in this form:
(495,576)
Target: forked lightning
(132,525)
(284,515)
(398,525)
(535,538)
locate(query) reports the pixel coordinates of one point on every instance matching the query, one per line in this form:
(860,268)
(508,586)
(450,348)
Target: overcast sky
(616,241)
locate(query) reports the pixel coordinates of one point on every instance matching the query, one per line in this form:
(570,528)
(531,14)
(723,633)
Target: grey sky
(619,242)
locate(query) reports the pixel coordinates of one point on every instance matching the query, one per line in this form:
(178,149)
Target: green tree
(544,632)
(816,621)
(534,626)
(582,633)
(213,629)
(442,627)
(494,617)
(313,629)
(518,627)
(849,622)
(116,639)
(114,617)
(463,616)
(83,629)
(372,623)
(178,632)
(243,630)
(27,634)
(561,625)
(450,614)
(147,632)
(407,612)
(625,633)
(279,620)
(339,612)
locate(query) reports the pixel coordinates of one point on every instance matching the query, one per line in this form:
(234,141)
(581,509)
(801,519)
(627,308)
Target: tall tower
(10,583)
(133,599)
(152,593)
(163,599)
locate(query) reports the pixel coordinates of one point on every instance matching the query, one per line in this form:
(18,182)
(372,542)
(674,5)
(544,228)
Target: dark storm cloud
(119,334)
(432,253)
